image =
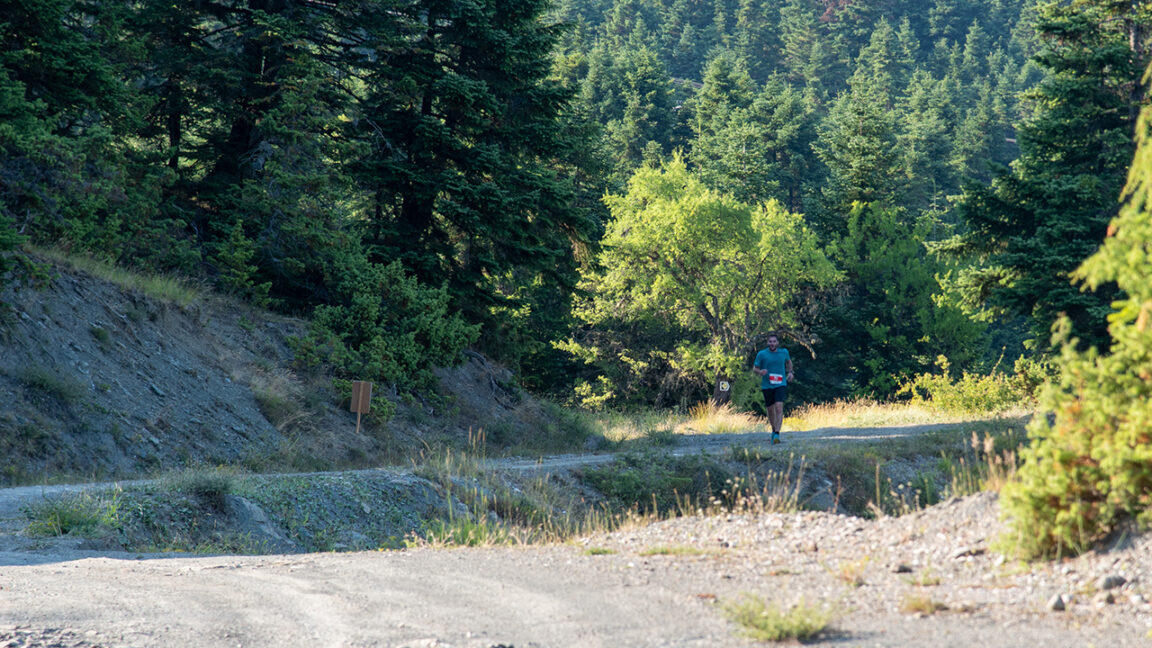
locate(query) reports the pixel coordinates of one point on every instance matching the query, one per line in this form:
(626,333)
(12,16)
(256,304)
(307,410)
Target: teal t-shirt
(775,362)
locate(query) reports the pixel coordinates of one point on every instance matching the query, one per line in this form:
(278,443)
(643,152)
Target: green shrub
(10,241)
(970,394)
(1089,467)
(236,273)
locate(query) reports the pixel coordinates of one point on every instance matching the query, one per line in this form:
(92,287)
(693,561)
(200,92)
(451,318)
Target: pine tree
(808,56)
(644,103)
(63,114)
(762,151)
(923,146)
(464,135)
(1041,219)
(857,142)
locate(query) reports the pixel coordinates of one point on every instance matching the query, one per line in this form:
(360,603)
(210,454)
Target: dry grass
(171,290)
(662,427)
(619,427)
(706,418)
(866,413)
(673,550)
(279,394)
(922,605)
(851,572)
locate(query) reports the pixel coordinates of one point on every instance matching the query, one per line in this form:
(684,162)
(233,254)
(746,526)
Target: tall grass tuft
(84,514)
(488,508)
(987,468)
(707,418)
(210,485)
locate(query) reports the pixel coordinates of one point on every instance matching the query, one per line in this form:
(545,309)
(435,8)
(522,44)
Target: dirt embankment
(101,382)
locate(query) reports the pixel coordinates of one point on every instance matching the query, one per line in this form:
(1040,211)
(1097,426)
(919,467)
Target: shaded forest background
(617,198)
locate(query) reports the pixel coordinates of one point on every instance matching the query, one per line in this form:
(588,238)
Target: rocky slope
(97,381)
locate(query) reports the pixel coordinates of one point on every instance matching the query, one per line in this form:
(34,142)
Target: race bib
(775,379)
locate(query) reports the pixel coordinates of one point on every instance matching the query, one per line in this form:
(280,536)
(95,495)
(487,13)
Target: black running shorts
(775,395)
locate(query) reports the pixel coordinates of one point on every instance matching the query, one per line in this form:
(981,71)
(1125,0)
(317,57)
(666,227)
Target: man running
(774,366)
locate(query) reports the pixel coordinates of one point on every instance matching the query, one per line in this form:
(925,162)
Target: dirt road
(660,585)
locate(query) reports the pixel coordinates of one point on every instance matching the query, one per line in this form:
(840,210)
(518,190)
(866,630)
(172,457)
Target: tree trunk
(721,391)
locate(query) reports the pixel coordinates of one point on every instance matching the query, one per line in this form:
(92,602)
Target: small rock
(1111,581)
(1056,603)
(1104,598)
(970,551)
(1137,599)
(902,569)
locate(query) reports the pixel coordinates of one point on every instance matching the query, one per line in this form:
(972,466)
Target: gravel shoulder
(661,584)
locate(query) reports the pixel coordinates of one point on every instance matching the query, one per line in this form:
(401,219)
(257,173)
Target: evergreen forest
(618,199)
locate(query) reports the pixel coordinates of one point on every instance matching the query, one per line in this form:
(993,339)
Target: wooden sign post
(361,400)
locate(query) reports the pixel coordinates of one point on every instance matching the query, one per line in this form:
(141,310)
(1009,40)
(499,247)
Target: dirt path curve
(689,444)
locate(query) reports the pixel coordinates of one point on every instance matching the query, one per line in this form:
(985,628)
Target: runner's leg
(776,416)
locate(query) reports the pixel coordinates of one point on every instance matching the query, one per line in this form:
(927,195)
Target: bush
(970,394)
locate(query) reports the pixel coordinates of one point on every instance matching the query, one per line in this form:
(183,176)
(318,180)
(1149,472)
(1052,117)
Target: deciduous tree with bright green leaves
(1089,468)
(708,273)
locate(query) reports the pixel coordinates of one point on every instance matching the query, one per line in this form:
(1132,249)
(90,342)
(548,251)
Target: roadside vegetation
(456,497)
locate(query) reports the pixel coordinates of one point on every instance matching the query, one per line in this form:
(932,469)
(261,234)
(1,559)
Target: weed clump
(85,515)
(764,621)
(211,486)
(55,385)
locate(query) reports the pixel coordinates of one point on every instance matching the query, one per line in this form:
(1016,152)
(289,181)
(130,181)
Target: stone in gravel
(1056,603)
(968,552)
(1137,599)
(1111,581)
(1104,598)
(902,568)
